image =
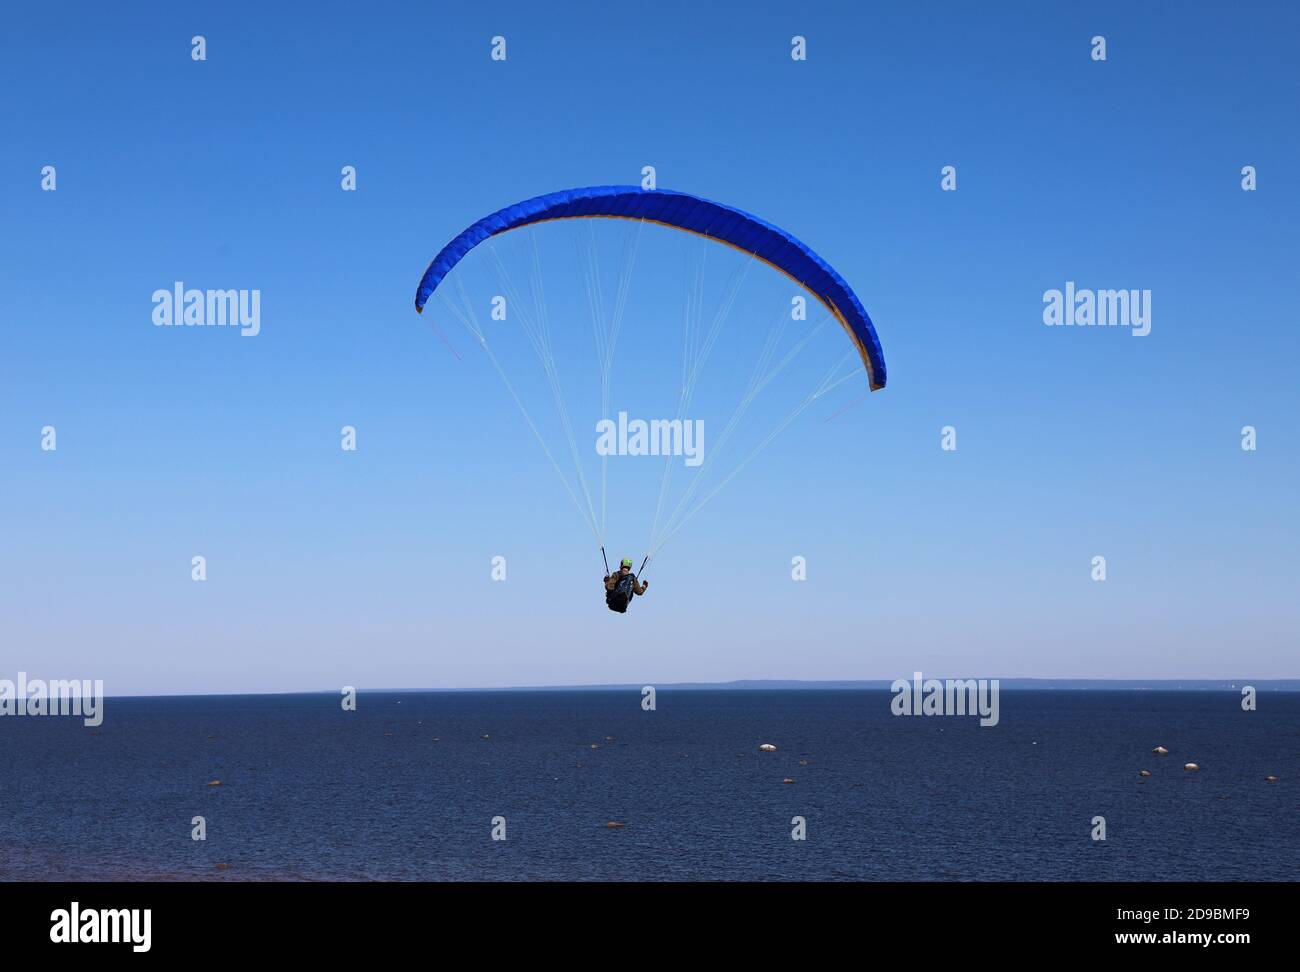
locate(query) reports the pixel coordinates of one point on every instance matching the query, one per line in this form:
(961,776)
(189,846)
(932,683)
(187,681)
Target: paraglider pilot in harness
(621,586)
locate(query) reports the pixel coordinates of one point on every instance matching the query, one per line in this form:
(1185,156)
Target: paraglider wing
(683,211)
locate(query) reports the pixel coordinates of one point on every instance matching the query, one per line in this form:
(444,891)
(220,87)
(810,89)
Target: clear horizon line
(779,684)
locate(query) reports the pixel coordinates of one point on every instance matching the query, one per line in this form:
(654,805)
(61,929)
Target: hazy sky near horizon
(373,568)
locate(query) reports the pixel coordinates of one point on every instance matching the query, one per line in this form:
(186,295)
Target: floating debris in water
(1145,773)
(1270,779)
(614,825)
(215,783)
(787,780)
(767,748)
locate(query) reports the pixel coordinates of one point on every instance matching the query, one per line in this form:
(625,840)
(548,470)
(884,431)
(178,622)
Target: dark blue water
(406,787)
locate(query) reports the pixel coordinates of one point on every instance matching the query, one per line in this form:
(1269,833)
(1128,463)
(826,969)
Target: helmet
(627,562)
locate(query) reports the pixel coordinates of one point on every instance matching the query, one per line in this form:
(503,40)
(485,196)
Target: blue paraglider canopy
(693,214)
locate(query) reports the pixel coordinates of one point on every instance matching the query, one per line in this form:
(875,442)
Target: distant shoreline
(752,685)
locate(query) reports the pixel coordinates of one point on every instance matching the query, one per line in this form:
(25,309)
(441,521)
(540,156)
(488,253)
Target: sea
(595,785)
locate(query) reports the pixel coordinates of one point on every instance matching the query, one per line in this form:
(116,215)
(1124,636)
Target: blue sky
(373,568)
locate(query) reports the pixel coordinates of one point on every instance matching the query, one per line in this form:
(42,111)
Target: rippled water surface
(407,786)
